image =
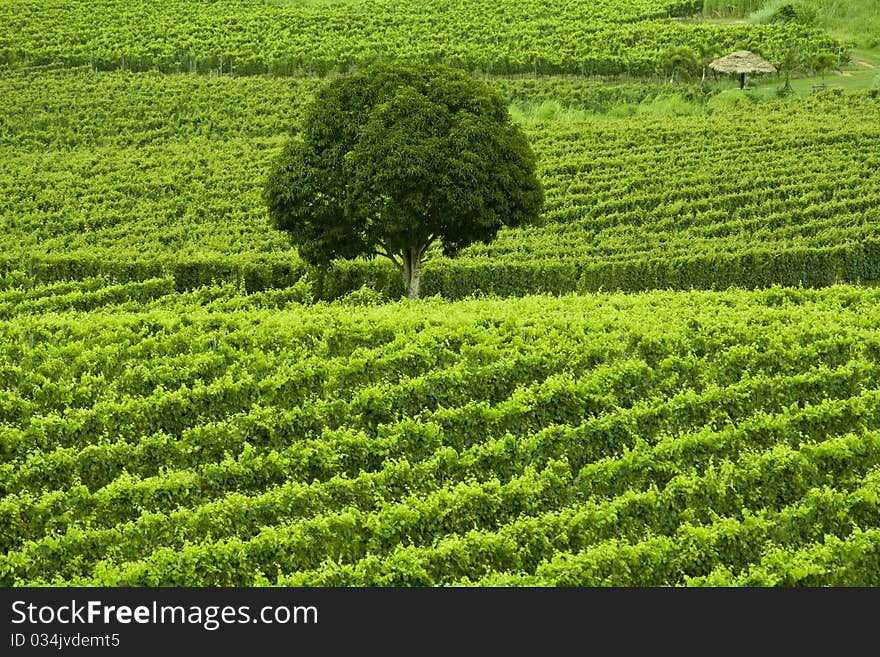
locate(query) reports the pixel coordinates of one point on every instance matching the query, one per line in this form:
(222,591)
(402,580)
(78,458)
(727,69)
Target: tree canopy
(395,158)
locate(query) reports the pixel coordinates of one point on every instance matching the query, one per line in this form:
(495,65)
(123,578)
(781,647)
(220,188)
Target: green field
(671,380)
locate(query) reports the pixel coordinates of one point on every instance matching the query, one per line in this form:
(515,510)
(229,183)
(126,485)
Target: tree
(678,61)
(794,61)
(822,62)
(395,158)
(708,53)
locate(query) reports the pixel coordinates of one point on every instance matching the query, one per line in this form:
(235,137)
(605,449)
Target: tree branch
(425,246)
(391,257)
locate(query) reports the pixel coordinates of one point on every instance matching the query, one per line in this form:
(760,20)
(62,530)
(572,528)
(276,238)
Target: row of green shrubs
(454,279)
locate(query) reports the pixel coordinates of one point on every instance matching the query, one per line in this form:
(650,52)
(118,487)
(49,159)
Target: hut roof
(742,61)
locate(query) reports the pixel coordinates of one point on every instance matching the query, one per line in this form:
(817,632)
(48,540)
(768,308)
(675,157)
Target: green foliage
(679,62)
(364,296)
(822,63)
(565,99)
(785,11)
(731,101)
(855,21)
(794,61)
(730,8)
(128,200)
(394,158)
(660,439)
(669,106)
(324,38)
(179,407)
(547,111)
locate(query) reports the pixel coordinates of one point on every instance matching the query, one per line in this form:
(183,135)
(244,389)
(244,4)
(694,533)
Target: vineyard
(603,37)
(673,379)
(653,439)
(139,176)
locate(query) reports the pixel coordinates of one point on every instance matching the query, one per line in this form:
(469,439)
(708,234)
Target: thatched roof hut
(742,62)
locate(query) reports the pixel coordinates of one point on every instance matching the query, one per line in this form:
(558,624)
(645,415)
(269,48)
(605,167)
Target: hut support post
(742,80)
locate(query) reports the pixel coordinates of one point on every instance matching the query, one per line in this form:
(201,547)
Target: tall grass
(848,20)
(730,8)
(858,20)
(547,111)
(785,10)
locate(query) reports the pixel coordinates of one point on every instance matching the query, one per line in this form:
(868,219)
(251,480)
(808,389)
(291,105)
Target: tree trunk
(412,271)
(415,274)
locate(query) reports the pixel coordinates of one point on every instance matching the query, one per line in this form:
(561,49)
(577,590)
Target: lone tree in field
(679,61)
(394,158)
